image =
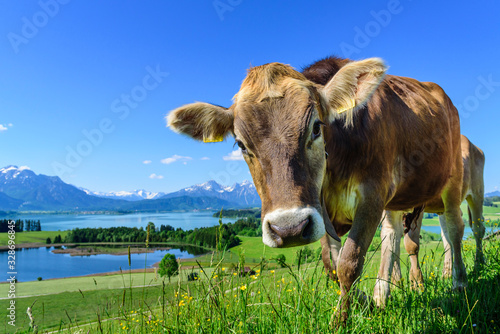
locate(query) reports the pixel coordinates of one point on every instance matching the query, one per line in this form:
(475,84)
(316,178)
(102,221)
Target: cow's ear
(353,85)
(202,121)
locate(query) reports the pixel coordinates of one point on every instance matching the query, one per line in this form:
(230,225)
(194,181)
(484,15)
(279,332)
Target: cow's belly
(424,188)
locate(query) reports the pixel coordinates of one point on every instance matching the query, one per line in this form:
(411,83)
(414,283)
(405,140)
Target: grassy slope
(86,283)
(64,294)
(39,237)
(490,214)
(281,302)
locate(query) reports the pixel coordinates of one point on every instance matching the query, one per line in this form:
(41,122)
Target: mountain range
(23,190)
(134,195)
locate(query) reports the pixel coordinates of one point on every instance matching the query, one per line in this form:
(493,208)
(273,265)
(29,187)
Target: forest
(225,235)
(21,225)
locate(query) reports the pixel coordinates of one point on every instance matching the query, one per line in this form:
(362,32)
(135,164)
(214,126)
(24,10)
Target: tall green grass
(303,300)
(288,300)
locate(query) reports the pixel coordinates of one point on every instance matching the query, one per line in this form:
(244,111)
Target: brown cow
(472,191)
(392,143)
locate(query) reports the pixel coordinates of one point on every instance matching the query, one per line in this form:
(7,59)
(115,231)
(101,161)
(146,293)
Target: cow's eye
(241,146)
(316,132)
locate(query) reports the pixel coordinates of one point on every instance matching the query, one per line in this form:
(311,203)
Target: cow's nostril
(307,228)
(292,235)
(275,234)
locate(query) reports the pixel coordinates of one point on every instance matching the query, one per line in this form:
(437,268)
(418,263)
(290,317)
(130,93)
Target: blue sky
(85,86)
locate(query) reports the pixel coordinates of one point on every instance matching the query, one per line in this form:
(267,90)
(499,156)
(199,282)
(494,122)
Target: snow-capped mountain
(135,195)
(22,189)
(41,192)
(243,194)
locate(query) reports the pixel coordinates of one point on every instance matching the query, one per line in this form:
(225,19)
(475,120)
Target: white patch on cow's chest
(343,201)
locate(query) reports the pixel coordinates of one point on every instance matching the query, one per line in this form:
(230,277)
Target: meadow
(36,238)
(273,300)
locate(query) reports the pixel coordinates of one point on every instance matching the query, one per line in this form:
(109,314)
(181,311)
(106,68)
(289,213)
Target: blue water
(184,220)
(41,262)
(32,263)
(437,230)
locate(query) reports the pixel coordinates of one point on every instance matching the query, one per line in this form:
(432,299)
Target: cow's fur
(472,191)
(392,142)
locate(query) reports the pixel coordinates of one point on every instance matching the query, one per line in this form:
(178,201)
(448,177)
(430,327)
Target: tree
(168,266)
(48,241)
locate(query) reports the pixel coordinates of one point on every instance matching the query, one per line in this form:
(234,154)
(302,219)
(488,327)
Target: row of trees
(489,201)
(207,237)
(21,225)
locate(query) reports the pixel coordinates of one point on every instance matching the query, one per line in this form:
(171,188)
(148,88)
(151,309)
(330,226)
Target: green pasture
(284,300)
(36,237)
(79,300)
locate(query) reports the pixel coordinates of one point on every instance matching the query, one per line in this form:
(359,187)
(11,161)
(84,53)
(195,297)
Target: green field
(272,301)
(275,300)
(71,301)
(37,237)
(491,216)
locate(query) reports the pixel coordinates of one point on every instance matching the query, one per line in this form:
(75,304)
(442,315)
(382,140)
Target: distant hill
(7,202)
(182,203)
(42,192)
(134,195)
(494,193)
(23,190)
(242,194)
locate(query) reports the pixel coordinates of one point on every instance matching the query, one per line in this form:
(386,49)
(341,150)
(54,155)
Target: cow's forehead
(269,81)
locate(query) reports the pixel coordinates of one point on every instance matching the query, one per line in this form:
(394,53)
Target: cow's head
(278,119)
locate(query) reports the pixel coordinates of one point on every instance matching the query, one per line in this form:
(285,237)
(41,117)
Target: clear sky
(85,85)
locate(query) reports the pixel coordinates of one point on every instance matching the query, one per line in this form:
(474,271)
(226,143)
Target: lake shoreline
(84,249)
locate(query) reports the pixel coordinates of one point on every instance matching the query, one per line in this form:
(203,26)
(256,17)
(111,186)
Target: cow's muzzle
(292,227)
(294,235)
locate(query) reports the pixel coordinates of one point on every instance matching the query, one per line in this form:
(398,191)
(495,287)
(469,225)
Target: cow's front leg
(353,254)
(392,231)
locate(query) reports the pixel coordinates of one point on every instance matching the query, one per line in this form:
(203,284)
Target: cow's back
(408,134)
(428,136)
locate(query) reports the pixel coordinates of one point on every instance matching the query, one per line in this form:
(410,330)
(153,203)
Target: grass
(303,301)
(74,284)
(272,301)
(67,309)
(37,237)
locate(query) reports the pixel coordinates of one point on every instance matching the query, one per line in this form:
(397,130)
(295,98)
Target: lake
(32,263)
(437,230)
(184,220)
(41,262)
